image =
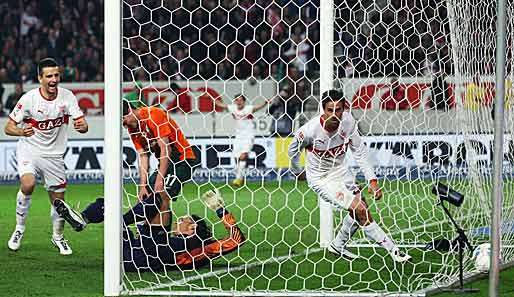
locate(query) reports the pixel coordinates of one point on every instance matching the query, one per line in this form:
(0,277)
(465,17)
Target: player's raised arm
(236,238)
(220,104)
(263,104)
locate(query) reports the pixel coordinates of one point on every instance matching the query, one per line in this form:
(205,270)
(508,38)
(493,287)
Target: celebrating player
(153,131)
(326,138)
(190,243)
(243,142)
(43,115)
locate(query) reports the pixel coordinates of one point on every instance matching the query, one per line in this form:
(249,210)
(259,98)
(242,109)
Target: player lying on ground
(40,120)
(326,138)
(153,132)
(244,134)
(189,244)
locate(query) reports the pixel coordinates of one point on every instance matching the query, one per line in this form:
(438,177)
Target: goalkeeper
(189,243)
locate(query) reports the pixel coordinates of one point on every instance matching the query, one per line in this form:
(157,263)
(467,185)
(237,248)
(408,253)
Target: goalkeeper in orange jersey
(189,242)
(153,131)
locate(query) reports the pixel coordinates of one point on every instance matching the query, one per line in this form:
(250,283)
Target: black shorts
(179,172)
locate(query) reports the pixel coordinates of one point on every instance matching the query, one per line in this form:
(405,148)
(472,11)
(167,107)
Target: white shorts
(336,188)
(50,169)
(242,145)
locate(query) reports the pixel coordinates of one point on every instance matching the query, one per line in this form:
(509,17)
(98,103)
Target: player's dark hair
(240,96)
(46,62)
(203,230)
(202,236)
(333,96)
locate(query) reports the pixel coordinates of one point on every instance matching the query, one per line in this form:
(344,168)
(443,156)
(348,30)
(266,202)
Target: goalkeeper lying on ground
(188,245)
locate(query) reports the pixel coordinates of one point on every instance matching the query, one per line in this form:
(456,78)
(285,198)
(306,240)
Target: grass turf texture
(278,221)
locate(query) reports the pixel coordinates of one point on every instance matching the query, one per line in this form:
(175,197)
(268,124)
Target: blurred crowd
(251,40)
(392,38)
(69,30)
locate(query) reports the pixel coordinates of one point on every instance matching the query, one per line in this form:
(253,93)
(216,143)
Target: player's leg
(334,191)
(54,177)
(373,231)
(27,173)
(242,147)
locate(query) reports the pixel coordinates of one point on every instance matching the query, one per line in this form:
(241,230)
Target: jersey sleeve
(360,151)
(228,244)
(73,107)
(160,125)
(21,111)
(300,141)
(231,108)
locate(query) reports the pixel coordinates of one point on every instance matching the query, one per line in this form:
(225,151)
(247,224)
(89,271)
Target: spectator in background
(29,19)
(13,98)
(70,72)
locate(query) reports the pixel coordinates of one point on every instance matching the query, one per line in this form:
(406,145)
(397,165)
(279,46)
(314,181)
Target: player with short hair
(244,134)
(40,120)
(327,138)
(153,131)
(188,244)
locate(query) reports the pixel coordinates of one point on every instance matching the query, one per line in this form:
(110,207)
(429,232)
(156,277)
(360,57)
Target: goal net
(419,77)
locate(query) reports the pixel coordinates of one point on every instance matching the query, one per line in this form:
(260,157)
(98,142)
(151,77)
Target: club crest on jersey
(19,106)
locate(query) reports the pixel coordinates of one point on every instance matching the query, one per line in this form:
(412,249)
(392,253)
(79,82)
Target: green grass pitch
(280,222)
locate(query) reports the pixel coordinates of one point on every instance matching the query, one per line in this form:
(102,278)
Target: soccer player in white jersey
(326,139)
(40,120)
(244,138)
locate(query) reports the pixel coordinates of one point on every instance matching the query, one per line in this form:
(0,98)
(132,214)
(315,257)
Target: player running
(153,131)
(40,120)
(244,134)
(326,138)
(189,244)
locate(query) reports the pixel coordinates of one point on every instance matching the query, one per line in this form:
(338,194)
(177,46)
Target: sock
(348,227)
(22,210)
(241,165)
(57,223)
(94,212)
(374,232)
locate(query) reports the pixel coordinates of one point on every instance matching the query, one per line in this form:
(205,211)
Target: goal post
(112,149)
(419,79)
(326,82)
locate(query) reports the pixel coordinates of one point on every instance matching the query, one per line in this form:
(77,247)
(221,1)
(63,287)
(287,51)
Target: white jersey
(326,150)
(244,119)
(49,119)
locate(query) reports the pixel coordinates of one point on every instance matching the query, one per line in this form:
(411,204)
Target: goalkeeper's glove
(213,199)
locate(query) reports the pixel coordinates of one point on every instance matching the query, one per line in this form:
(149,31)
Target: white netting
(408,69)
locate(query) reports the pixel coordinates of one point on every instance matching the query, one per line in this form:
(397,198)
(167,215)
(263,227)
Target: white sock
(241,165)
(374,232)
(57,223)
(348,227)
(22,210)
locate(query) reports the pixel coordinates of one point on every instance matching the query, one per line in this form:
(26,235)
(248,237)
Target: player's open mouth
(52,88)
